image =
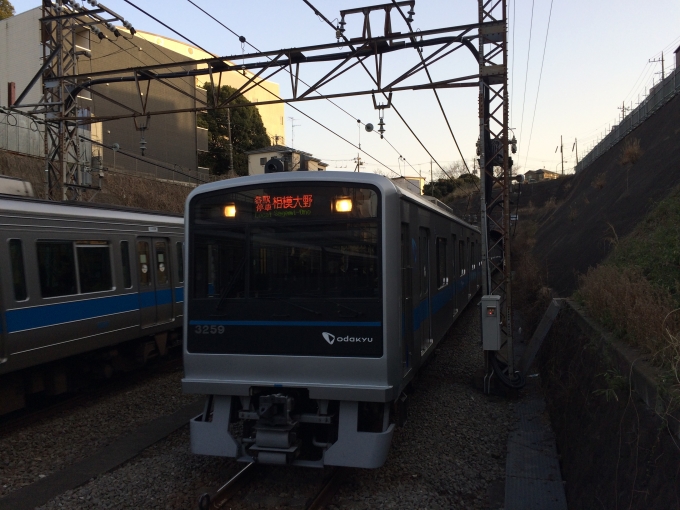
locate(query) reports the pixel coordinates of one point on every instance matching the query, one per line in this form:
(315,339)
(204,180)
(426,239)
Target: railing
(21,134)
(658,96)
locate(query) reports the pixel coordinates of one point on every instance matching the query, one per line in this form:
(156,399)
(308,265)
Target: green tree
(247,132)
(6,9)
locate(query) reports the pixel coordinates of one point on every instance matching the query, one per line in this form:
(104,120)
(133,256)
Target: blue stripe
(59,313)
(147,299)
(284,323)
(179,294)
(164,297)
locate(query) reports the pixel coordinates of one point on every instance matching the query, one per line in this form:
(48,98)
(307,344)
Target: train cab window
(442,275)
(57,268)
(94,266)
(461,257)
(125,259)
(162,263)
(180,262)
(144,254)
(16,256)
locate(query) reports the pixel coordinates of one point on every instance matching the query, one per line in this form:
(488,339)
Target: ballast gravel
(37,450)
(449,454)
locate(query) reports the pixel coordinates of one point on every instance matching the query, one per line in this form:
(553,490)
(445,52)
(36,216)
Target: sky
(573,64)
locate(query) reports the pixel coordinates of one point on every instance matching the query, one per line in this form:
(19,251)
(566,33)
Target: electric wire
(318,13)
(526,75)
(436,94)
(166,26)
(144,160)
(538,90)
(295,108)
(512,73)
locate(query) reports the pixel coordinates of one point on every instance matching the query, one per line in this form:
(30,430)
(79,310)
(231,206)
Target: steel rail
(228,490)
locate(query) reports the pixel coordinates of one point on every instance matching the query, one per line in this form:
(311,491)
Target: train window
(94,266)
(57,268)
(180,262)
(16,256)
(424,261)
(143,263)
(442,276)
(461,257)
(125,258)
(162,263)
(472,256)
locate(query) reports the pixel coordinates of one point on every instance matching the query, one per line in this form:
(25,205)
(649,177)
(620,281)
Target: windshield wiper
(357,313)
(289,302)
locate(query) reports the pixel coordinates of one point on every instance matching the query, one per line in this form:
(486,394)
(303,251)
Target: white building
(294,160)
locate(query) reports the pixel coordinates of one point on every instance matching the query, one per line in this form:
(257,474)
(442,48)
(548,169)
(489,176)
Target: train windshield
(288,258)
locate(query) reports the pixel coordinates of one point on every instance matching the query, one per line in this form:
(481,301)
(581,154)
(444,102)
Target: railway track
(324,494)
(52,406)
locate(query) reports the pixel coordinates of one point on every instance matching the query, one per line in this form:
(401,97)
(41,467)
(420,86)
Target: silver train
(312,301)
(77,279)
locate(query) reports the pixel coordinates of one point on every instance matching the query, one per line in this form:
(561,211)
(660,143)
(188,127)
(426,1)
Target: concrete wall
(20,54)
(272,115)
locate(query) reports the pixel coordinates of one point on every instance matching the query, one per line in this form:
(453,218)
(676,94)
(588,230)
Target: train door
(425,305)
(462,276)
(155,281)
(406,298)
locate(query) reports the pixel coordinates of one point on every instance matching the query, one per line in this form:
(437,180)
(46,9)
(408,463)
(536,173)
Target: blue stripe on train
(285,323)
(60,313)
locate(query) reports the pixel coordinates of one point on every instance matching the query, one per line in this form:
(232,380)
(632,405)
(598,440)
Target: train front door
(425,332)
(406,298)
(155,281)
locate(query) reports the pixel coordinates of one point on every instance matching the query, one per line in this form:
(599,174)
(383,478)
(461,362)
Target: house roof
(677,49)
(278,148)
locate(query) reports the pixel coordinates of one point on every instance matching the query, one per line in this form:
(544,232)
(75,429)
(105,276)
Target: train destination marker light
(230,211)
(343,204)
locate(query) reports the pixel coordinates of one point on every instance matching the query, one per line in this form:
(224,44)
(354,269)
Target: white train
(312,301)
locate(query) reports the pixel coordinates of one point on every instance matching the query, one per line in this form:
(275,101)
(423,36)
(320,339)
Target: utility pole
(663,69)
(575,146)
(293,125)
(359,163)
(231,145)
(431,179)
(623,110)
(561,148)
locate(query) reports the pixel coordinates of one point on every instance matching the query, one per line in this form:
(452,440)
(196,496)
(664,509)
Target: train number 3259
(208,330)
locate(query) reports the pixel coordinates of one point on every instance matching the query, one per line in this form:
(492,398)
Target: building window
(263,161)
(16,256)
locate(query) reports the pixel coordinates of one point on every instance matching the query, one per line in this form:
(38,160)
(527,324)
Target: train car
(78,278)
(312,301)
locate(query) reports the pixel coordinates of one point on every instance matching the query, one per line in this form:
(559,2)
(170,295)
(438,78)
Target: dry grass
(624,301)
(600,181)
(631,152)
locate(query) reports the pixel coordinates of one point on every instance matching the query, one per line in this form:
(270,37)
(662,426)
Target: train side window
(57,268)
(461,257)
(143,261)
(180,262)
(442,275)
(162,263)
(125,258)
(94,266)
(16,255)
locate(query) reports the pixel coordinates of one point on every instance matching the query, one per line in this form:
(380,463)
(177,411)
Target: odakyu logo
(331,339)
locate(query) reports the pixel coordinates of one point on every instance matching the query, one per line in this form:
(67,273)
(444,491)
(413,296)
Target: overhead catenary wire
(245,41)
(320,15)
(540,76)
(526,74)
(290,105)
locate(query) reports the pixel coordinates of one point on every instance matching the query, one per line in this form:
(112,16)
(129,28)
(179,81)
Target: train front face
(286,330)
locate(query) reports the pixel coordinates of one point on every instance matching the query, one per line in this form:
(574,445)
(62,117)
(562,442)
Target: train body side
(105,302)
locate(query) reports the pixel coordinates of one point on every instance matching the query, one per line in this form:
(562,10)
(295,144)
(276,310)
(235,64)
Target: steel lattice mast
(495,164)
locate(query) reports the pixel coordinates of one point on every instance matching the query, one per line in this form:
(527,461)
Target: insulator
(142,145)
(242,39)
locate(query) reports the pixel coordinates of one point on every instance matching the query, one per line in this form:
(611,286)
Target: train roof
(85,210)
(378,180)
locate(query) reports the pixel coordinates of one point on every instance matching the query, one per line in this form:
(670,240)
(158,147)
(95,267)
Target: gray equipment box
(491,322)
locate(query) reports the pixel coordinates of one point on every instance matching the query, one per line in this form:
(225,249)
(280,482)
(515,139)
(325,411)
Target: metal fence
(21,134)
(658,96)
